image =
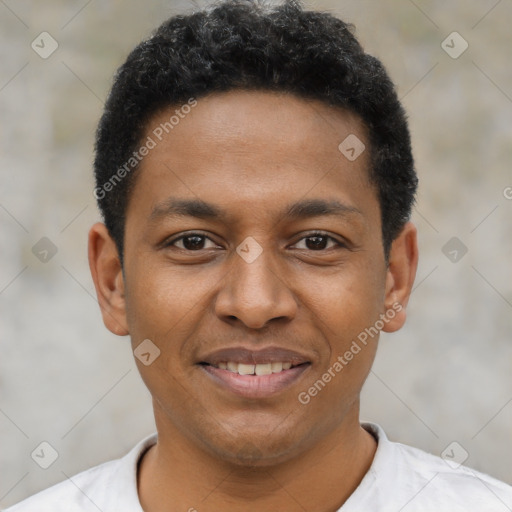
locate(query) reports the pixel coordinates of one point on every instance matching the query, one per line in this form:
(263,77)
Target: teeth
(263,369)
(277,367)
(246,369)
(254,369)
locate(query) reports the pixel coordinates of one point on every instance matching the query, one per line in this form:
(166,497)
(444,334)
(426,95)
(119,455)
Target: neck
(177,475)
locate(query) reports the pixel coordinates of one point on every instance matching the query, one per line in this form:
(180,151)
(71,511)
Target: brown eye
(318,242)
(191,242)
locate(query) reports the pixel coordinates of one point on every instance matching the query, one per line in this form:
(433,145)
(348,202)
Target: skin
(252,154)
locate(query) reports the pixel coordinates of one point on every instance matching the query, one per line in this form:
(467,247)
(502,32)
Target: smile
(254,380)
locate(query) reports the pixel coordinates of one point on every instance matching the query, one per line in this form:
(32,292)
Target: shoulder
(77,493)
(414,480)
(103,487)
(467,488)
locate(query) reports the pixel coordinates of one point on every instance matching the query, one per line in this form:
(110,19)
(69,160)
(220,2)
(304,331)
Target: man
(254,172)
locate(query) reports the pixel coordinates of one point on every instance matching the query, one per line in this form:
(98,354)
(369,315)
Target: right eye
(190,242)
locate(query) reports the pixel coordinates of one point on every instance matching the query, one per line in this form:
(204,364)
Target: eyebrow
(197,208)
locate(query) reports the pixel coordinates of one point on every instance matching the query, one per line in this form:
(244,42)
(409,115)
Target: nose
(255,294)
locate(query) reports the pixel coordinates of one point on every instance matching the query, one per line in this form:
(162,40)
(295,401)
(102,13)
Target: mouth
(254,374)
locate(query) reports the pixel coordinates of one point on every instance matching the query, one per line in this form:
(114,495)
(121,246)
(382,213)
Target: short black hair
(253,45)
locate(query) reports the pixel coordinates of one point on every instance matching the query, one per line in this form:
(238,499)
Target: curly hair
(247,44)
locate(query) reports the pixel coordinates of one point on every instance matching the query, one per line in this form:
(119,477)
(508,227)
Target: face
(253,261)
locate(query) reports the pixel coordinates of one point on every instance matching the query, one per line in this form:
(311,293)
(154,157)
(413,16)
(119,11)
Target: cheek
(169,306)
(348,302)
(347,306)
(158,298)
(159,309)
(344,315)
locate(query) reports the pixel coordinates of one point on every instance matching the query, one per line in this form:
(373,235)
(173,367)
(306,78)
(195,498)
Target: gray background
(66,380)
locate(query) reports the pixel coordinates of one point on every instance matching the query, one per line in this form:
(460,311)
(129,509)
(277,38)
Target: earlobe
(403,262)
(108,279)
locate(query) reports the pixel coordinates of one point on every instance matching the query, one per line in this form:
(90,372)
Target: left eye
(318,241)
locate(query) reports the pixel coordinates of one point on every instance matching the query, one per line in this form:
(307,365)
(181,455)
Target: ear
(108,279)
(403,262)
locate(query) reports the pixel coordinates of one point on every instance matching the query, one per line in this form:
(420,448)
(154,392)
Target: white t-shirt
(400,479)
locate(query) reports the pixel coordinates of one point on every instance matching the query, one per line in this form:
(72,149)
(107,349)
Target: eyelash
(338,244)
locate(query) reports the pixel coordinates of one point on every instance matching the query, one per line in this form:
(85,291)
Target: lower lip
(255,386)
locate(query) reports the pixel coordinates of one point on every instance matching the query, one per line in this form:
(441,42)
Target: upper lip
(247,356)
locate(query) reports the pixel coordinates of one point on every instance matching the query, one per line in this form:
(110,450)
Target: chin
(256,450)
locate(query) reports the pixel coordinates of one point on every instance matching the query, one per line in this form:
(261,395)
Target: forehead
(254,150)
(244,120)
